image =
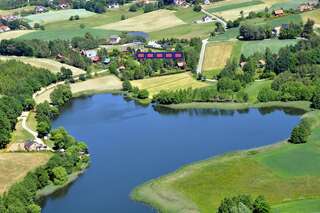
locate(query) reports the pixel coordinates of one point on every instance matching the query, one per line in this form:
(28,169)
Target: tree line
(18,82)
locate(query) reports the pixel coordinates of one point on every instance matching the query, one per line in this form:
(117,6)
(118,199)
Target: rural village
(177,56)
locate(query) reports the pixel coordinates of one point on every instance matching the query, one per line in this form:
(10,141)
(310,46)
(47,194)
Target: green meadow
(234,6)
(251,47)
(67,34)
(282,172)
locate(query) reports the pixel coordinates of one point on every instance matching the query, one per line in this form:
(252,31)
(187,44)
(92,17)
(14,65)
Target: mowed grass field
(250,47)
(283,172)
(60,15)
(217,55)
(52,65)
(14,166)
(14,34)
(234,6)
(253,89)
(168,82)
(148,22)
(312,205)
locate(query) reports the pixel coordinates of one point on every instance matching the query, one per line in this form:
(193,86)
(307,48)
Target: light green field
(281,173)
(234,6)
(184,31)
(168,82)
(289,4)
(67,34)
(311,205)
(251,47)
(110,16)
(60,15)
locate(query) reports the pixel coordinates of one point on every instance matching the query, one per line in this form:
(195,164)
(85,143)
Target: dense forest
(18,82)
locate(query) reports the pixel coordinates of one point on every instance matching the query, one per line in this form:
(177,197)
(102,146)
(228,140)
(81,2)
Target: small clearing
(148,22)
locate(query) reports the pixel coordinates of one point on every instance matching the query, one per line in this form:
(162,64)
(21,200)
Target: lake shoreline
(159,192)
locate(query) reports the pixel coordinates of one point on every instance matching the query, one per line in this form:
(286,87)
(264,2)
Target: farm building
(4,28)
(92,54)
(207,19)
(310,5)
(114,5)
(278,13)
(40,9)
(154,44)
(32,146)
(114,39)
(180,2)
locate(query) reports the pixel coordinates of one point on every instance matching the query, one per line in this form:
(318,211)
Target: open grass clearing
(186,31)
(67,34)
(217,55)
(49,64)
(14,34)
(54,16)
(168,82)
(188,15)
(20,135)
(254,88)
(14,166)
(251,47)
(148,22)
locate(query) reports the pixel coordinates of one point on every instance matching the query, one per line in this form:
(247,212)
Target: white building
(154,44)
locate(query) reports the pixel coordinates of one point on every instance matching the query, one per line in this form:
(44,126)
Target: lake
(130,144)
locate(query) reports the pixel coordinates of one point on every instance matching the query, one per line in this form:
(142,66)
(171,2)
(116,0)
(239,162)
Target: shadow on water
(225,112)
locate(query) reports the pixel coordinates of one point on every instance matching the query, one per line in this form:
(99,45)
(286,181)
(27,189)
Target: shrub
(133,8)
(300,133)
(143,94)
(126,85)
(315,102)
(267,94)
(197,8)
(60,175)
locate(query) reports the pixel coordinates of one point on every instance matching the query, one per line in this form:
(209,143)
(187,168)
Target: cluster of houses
(7,18)
(33,146)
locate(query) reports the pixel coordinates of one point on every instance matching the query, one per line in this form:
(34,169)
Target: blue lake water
(131,144)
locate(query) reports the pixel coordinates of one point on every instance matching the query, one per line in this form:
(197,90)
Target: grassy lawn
(31,121)
(49,64)
(282,172)
(147,22)
(228,35)
(307,205)
(60,15)
(234,6)
(184,31)
(14,166)
(210,74)
(168,82)
(251,47)
(254,88)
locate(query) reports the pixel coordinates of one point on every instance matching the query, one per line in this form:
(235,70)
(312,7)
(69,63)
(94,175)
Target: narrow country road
(201,58)
(24,117)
